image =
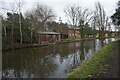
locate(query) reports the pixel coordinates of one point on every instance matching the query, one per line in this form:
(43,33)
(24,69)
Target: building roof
(74,28)
(47,32)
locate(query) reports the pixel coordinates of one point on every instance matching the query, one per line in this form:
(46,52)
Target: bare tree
(1,16)
(43,15)
(33,24)
(71,13)
(94,24)
(101,19)
(84,16)
(12,21)
(78,17)
(13,8)
(39,17)
(20,21)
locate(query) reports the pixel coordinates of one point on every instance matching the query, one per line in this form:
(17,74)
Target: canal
(53,61)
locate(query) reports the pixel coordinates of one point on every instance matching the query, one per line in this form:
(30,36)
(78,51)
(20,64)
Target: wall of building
(46,38)
(71,34)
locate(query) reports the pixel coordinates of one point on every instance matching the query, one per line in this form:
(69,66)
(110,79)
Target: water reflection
(54,61)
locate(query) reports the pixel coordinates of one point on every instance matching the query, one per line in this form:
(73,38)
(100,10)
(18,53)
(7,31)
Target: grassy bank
(97,64)
(20,46)
(24,45)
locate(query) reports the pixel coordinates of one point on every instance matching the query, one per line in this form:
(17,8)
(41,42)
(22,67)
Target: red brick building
(71,33)
(48,37)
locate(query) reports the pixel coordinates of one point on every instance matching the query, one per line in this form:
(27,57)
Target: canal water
(53,61)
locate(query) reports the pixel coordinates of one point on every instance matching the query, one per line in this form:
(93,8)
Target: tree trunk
(5,31)
(74,34)
(31,35)
(21,40)
(102,32)
(82,55)
(82,32)
(94,33)
(99,32)
(12,35)
(12,30)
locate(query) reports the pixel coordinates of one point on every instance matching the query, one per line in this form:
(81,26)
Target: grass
(96,64)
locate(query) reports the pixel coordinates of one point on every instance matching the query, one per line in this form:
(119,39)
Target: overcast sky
(59,5)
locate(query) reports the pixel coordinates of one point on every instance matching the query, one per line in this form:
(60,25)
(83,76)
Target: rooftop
(47,32)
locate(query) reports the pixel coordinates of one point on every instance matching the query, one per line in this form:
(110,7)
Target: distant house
(71,33)
(48,37)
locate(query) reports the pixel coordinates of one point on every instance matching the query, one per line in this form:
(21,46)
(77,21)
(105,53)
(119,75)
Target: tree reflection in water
(54,61)
(82,55)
